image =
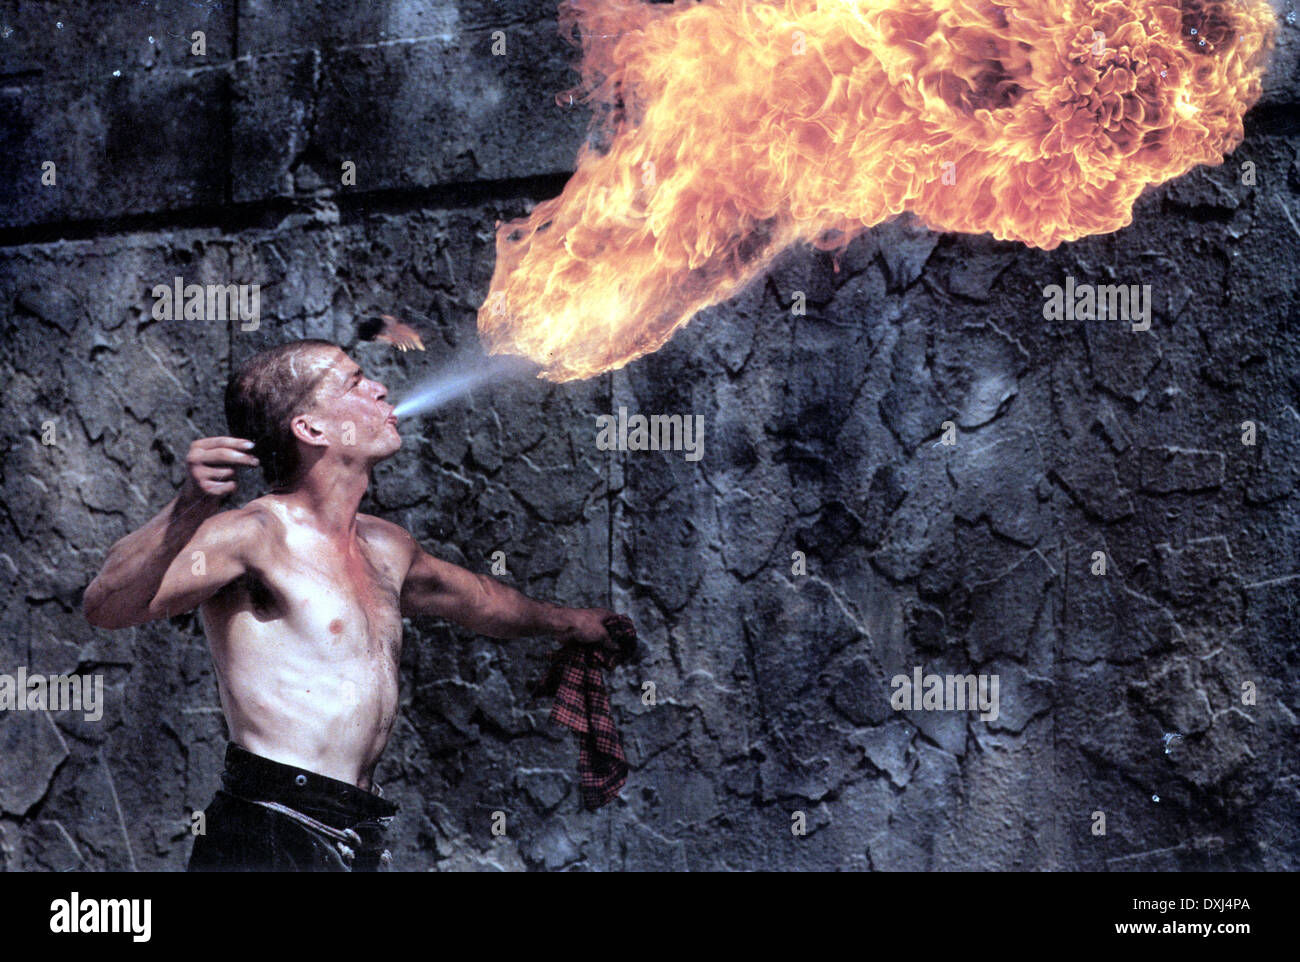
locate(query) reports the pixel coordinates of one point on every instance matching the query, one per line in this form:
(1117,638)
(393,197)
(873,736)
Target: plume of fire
(730,129)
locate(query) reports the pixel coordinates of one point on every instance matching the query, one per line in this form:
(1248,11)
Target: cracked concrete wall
(772,688)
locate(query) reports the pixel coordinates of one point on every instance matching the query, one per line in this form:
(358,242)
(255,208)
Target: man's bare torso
(307,647)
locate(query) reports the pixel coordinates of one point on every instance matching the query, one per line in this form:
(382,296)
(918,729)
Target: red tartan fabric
(582,704)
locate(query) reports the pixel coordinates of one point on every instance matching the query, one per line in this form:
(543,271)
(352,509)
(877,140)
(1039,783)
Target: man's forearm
(120,594)
(507,613)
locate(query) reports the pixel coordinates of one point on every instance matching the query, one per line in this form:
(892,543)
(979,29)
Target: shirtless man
(302,600)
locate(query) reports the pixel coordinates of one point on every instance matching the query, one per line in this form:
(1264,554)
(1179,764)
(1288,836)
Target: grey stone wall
(772,687)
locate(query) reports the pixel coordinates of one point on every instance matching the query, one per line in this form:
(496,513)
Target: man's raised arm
(129,589)
(486,606)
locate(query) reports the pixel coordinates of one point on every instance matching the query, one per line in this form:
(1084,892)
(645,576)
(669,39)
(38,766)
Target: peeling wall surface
(822,436)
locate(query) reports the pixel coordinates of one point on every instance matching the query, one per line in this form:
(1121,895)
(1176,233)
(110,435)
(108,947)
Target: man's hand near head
(210,468)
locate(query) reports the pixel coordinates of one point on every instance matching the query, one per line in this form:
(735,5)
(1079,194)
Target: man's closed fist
(600,626)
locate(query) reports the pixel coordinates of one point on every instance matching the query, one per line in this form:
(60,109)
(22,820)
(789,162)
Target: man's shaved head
(264,395)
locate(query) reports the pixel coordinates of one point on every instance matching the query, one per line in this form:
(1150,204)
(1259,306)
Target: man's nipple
(336,626)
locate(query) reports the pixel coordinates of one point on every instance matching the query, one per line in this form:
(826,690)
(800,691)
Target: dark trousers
(331,826)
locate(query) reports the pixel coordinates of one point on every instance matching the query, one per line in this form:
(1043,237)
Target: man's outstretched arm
(128,585)
(486,606)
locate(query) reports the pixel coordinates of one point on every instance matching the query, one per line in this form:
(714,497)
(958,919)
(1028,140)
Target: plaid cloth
(582,703)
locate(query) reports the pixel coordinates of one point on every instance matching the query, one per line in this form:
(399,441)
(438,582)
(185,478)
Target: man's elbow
(99,614)
(92,606)
(99,617)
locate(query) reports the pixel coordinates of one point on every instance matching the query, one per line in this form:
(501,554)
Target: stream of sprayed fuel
(458,379)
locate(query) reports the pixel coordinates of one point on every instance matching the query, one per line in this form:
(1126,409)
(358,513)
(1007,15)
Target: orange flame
(735,128)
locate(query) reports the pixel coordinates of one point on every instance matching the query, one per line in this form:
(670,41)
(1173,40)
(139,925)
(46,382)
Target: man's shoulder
(255,520)
(390,541)
(379,528)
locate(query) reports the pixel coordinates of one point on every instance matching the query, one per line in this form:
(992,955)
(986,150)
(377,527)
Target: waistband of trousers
(328,800)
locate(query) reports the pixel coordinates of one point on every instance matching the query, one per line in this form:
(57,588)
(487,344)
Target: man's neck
(331,496)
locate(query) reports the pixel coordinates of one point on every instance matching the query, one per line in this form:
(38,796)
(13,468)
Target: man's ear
(305,430)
